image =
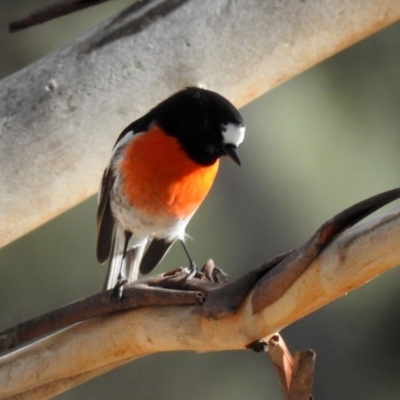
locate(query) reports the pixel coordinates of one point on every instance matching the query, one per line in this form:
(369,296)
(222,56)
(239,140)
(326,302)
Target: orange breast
(159,177)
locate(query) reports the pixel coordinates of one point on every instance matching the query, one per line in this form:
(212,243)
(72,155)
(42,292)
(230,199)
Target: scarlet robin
(161,169)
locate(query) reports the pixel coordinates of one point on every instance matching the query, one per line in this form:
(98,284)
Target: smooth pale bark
(78,353)
(60,116)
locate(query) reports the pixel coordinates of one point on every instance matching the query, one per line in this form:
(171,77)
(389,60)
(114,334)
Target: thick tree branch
(60,116)
(143,293)
(87,349)
(210,287)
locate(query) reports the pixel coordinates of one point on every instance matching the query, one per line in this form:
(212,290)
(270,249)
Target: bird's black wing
(156,251)
(105,219)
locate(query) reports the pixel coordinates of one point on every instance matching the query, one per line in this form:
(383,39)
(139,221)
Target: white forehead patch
(233,134)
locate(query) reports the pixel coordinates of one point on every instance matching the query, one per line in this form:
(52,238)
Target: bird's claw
(192,271)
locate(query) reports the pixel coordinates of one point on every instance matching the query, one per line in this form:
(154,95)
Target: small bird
(161,169)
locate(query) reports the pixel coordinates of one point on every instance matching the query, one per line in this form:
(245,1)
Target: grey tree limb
(60,116)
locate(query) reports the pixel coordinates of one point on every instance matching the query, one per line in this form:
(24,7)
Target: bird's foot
(192,271)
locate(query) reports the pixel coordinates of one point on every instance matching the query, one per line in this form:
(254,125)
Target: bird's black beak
(232,151)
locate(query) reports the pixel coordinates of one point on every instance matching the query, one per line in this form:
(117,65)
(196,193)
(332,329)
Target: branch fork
(222,315)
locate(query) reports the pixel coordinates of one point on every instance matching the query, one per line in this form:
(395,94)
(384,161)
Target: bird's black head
(206,124)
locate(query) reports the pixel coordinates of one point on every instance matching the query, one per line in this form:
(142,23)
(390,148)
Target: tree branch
(210,287)
(143,293)
(60,116)
(296,373)
(90,348)
(56,9)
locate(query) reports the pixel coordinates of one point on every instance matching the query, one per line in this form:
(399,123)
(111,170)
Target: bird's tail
(130,264)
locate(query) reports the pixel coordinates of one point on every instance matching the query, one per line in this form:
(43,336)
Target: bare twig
(54,10)
(295,374)
(282,362)
(303,375)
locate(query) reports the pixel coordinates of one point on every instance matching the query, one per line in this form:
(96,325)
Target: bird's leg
(192,265)
(121,280)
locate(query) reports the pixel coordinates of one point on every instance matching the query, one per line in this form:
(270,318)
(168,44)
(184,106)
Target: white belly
(143,226)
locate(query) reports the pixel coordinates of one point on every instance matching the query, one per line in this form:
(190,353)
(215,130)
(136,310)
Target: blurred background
(315,145)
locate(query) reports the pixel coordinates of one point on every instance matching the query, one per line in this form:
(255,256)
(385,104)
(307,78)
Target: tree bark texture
(60,116)
(85,350)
